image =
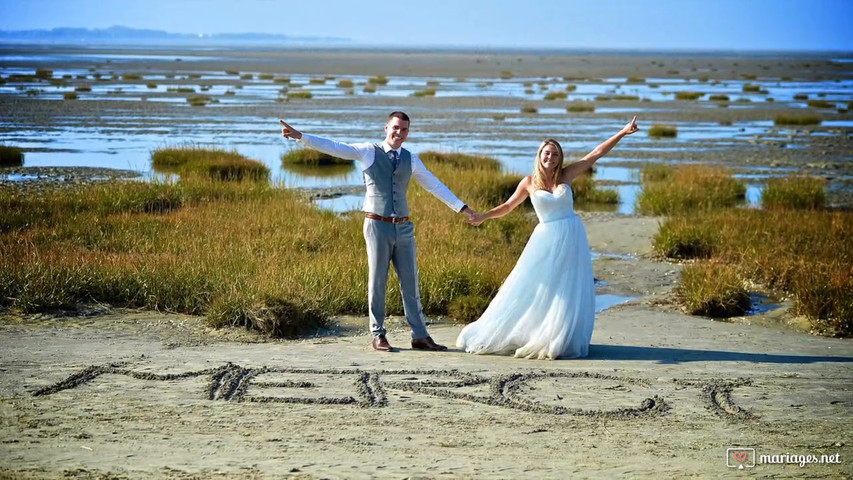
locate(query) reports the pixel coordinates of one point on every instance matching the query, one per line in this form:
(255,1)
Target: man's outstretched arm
(434,186)
(358,152)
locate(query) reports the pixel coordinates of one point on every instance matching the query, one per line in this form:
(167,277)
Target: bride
(546,307)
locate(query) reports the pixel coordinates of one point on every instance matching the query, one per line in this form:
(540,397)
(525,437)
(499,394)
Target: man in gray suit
(388,232)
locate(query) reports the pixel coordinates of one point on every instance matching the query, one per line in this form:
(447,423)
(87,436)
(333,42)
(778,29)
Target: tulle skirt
(545,308)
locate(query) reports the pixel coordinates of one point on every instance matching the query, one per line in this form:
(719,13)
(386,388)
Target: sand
(143,394)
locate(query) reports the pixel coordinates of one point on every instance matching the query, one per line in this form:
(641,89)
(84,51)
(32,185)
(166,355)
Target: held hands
(627,129)
(289,132)
(476,219)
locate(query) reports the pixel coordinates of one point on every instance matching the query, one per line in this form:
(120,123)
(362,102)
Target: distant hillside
(125,35)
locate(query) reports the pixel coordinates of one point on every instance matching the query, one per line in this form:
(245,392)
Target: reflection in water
(753,195)
(324,171)
(761,304)
(605,301)
(341,204)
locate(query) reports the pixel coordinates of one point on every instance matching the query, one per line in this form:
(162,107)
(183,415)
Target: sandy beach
(144,394)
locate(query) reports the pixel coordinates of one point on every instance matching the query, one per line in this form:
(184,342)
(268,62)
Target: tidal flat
(130,102)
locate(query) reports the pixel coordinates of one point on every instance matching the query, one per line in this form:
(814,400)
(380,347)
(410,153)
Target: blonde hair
(541,178)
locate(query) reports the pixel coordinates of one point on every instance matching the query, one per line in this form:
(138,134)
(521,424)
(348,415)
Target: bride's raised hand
(631,127)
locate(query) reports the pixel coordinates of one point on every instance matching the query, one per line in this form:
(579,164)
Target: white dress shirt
(364,154)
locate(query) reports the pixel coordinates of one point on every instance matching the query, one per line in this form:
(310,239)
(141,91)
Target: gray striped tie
(392,154)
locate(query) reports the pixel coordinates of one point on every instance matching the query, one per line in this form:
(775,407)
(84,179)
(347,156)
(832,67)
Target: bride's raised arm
(571,171)
(521,193)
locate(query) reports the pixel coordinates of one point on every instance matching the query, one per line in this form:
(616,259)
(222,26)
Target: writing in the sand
(557,393)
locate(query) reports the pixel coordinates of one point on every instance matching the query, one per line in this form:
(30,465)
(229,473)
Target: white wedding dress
(546,307)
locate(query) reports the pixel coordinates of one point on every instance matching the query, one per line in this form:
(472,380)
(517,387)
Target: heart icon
(740,456)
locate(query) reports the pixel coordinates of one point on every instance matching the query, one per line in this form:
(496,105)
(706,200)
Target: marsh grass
(749,87)
(713,290)
(240,253)
(804,193)
(428,92)
(719,98)
(804,253)
(788,119)
(70,96)
(299,94)
(378,80)
(576,107)
(688,188)
(200,100)
(192,161)
(556,95)
(801,96)
(585,191)
(11,156)
(467,308)
(686,95)
(84,88)
(43,73)
(132,76)
(663,131)
(311,158)
(460,160)
(820,104)
(345,83)
(529,109)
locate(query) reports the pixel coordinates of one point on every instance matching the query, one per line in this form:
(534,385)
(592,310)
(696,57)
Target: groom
(388,232)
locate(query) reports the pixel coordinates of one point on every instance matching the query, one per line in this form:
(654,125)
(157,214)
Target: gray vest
(386,187)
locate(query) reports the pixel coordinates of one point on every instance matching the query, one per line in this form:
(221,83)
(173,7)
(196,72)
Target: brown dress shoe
(381,343)
(427,344)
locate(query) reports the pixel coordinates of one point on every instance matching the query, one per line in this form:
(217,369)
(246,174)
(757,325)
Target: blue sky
(622,24)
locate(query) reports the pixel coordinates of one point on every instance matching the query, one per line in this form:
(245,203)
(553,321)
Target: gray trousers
(393,243)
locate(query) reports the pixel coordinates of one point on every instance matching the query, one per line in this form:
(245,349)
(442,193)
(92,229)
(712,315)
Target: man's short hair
(400,115)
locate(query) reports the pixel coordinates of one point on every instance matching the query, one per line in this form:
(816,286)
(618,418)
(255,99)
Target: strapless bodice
(554,206)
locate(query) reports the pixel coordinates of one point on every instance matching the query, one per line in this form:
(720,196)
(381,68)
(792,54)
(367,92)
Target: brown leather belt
(374,216)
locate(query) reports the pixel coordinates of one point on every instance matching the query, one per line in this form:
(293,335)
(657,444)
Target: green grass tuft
(467,308)
(787,119)
(11,156)
(299,94)
(688,95)
(820,104)
(580,107)
(689,188)
(309,157)
(459,160)
(557,95)
(663,131)
(713,290)
(804,193)
(214,164)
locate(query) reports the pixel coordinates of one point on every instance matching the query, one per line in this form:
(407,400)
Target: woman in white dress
(546,307)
